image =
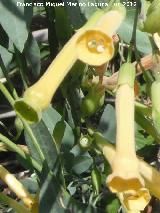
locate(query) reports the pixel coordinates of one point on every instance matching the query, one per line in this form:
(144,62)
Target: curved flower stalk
(16,187)
(92,44)
(125,165)
(133,200)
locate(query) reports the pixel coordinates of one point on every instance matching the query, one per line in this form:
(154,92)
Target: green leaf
(28,13)
(142,138)
(32,53)
(81,164)
(147,125)
(13,22)
(125,32)
(107,124)
(46,143)
(62,25)
(113,205)
(58,132)
(82,161)
(4,40)
(51,117)
(75,16)
(55,199)
(30,184)
(6,57)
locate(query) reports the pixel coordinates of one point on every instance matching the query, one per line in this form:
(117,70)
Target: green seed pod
(93,101)
(85,141)
(152,22)
(155,96)
(96,180)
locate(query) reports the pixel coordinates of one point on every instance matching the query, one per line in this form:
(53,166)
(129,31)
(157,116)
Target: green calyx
(93,101)
(27,111)
(152,23)
(127,74)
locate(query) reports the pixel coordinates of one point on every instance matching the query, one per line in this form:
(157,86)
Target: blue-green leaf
(13,22)
(107,124)
(32,53)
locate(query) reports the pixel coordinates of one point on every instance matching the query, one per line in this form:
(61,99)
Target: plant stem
(52,38)
(19,151)
(26,126)
(6,94)
(6,75)
(133,38)
(22,67)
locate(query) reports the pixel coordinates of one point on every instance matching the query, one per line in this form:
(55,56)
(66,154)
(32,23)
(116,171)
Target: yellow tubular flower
(38,97)
(125,165)
(16,187)
(151,175)
(92,44)
(133,200)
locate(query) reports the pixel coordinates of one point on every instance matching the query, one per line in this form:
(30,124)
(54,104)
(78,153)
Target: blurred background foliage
(30,38)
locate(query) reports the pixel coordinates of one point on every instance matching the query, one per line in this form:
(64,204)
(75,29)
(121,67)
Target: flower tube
(91,44)
(16,187)
(125,165)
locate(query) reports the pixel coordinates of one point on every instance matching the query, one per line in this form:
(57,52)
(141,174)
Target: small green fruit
(93,101)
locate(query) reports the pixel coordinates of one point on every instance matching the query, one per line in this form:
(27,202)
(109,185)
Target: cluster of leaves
(65,183)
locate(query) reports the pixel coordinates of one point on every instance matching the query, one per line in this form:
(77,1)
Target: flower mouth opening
(119,184)
(26,111)
(94,47)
